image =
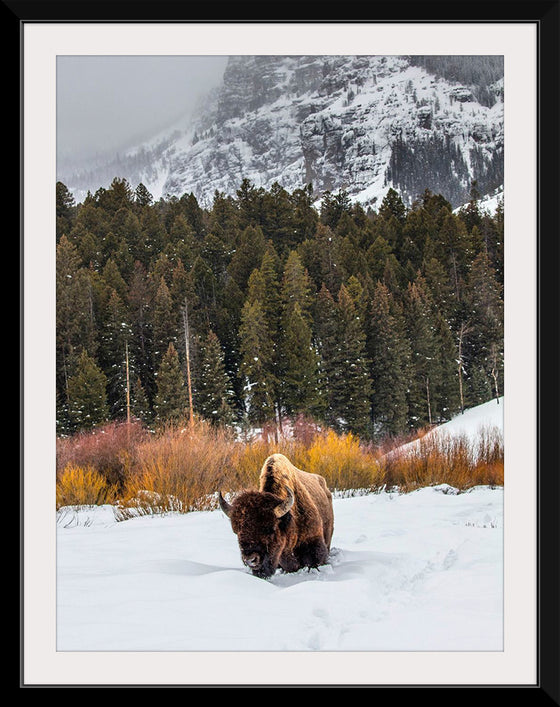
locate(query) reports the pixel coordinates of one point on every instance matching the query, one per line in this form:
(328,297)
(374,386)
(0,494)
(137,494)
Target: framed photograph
(271,216)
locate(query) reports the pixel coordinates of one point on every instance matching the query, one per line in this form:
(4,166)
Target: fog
(107,103)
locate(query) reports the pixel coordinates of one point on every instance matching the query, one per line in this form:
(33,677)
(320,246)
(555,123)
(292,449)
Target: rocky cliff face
(359,123)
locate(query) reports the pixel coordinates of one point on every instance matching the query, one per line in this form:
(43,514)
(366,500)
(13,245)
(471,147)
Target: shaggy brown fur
(287,523)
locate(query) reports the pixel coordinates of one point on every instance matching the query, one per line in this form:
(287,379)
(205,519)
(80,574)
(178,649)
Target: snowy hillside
(487,415)
(362,123)
(469,426)
(410,572)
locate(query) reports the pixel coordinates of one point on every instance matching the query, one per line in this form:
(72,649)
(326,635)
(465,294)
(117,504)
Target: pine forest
(265,307)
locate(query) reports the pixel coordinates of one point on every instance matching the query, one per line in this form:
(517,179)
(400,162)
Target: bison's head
(262,523)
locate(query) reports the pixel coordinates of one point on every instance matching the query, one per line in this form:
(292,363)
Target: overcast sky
(106,102)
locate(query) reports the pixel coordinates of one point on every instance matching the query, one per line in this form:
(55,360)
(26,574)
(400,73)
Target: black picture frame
(545,15)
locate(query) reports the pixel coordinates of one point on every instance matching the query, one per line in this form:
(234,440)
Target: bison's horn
(282,508)
(224,505)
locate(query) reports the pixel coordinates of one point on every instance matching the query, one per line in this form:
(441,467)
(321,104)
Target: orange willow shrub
(78,486)
(182,468)
(107,449)
(457,461)
(343,461)
(178,468)
(340,458)
(248,457)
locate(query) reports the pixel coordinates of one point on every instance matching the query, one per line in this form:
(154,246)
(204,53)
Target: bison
(287,523)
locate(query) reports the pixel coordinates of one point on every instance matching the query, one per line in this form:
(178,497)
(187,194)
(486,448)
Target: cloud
(106,103)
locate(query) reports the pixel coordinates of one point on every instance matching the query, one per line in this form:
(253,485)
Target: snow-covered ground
(408,572)
(484,419)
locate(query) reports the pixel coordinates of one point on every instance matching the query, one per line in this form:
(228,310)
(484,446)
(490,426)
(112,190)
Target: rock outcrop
(358,123)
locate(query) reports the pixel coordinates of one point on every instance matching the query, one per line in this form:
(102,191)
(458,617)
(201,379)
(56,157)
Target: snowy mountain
(358,123)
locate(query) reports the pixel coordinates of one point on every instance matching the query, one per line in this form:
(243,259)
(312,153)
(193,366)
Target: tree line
(264,307)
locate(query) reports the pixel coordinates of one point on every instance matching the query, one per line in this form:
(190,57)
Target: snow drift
(408,572)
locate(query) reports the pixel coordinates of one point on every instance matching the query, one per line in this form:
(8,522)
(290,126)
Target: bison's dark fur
(287,523)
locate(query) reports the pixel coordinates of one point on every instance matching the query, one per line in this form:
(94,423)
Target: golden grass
(78,486)
(181,468)
(436,459)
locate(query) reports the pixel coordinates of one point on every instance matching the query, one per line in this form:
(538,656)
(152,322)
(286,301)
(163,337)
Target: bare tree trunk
(127,396)
(278,416)
(188,357)
(428,399)
(464,329)
(494,372)
(65,368)
(455,276)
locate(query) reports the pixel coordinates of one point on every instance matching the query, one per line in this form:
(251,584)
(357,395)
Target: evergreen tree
(454,251)
(181,288)
(351,259)
(389,353)
(360,298)
(75,325)
(65,210)
(257,363)
(171,401)
(298,365)
(127,230)
(446,398)
(295,361)
(206,288)
(344,378)
(250,203)
(165,326)
(248,256)
(426,374)
(113,279)
(353,384)
(333,206)
(319,257)
(87,399)
(153,236)
(415,233)
(162,269)
(296,285)
(497,253)
(394,275)
(470,214)
(223,218)
(438,283)
(93,219)
(305,217)
(183,239)
(213,391)
(392,231)
(326,337)
(193,214)
(216,254)
(140,297)
(485,349)
(139,405)
(270,296)
(115,335)
(142,196)
(376,256)
(277,218)
(88,245)
(227,329)
(118,196)
(392,206)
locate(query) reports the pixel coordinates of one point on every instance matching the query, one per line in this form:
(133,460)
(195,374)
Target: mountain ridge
(363,124)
